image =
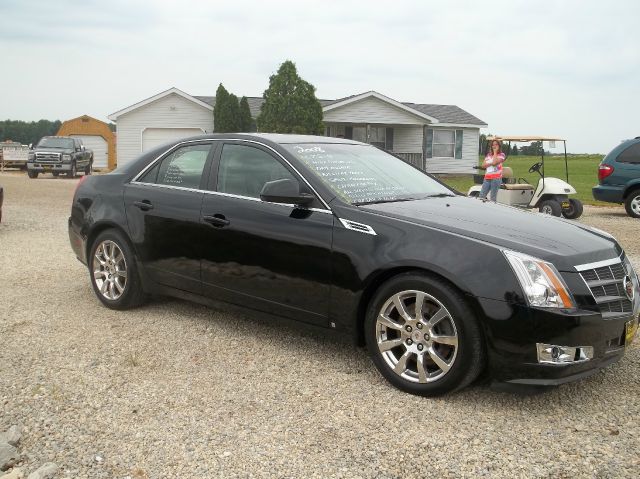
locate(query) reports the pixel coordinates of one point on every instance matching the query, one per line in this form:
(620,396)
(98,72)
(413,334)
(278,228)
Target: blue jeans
(490,185)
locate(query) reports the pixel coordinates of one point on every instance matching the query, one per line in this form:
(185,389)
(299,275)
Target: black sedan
(440,287)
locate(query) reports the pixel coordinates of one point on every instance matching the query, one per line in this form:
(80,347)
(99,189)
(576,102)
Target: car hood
(564,243)
(53,150)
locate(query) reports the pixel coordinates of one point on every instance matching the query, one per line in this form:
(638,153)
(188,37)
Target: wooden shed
(96,135)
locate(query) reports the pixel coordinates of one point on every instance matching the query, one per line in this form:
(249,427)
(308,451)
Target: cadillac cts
(440,288)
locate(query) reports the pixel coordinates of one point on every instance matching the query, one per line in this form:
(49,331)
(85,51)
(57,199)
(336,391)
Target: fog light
(554,354)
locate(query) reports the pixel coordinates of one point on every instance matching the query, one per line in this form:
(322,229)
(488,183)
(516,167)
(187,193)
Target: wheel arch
(383,276)
(630,189)
(100,227)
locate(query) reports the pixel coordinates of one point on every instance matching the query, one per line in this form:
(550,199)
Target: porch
(404,141)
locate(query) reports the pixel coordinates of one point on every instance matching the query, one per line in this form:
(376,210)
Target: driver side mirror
(81,147)
(284,191)
(31,146)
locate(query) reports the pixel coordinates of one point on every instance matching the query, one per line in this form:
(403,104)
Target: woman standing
(493,175)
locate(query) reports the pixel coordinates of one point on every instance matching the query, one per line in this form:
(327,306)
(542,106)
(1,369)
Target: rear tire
(632,204)
(550,207)
(32,174)
(430,350)
(114,272)
(574,211)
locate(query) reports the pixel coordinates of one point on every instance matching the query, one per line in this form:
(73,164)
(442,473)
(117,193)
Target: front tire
(73,172)
(114,272)
(574,210)
(632,204)
(422,336)
(32,174)
(550,207)
(89,169)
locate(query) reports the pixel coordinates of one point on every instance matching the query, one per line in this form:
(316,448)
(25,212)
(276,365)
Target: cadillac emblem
(627,284)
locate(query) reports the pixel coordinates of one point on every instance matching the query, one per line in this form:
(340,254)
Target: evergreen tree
(246,122)
(514,150)
(233,111)
(220,118)
(290,104)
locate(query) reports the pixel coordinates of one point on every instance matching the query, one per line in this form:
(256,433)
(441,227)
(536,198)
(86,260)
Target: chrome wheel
(110,270)
(416,336)
(635,205)
(547,210)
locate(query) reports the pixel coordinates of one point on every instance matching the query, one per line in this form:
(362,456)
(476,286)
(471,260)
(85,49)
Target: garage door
(152,137)
(99,147)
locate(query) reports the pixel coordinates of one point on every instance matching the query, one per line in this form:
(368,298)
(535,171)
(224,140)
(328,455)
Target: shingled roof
(442,113)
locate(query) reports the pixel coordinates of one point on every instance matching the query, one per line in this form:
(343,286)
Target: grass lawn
(583,173)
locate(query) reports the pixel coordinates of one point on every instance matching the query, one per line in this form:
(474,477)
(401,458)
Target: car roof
(523,138)
(277,138)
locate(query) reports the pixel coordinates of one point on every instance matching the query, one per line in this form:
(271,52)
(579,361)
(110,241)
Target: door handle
(216,220)
(143,205)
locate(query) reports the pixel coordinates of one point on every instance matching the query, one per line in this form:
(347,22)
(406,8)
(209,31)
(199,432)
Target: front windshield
(56,143)
(362,174)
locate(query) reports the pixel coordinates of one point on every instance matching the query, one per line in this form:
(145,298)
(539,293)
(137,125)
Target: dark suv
(619,177)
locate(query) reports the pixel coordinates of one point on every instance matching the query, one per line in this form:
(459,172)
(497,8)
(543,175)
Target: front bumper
(610,194)
(513,331)
(48,167)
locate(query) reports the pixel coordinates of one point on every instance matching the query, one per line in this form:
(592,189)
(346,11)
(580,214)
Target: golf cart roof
(523,138)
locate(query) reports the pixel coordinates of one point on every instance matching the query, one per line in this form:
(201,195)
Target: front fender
(476,268)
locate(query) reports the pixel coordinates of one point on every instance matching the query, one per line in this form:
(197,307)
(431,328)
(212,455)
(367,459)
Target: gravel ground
(178,390)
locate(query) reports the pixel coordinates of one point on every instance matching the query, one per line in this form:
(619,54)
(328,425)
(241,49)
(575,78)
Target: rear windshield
(56,143)
(361,174)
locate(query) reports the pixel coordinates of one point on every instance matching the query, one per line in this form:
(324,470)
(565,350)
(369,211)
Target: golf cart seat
(509,182)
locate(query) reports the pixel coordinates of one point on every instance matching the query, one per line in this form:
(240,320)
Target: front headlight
(542,284)
(630,271)
(66,158)
(31,156)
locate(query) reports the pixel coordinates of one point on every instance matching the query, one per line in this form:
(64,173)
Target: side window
(244,170)
(630,155)
(183,167)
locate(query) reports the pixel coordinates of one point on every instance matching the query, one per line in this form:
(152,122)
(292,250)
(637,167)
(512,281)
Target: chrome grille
(47,157)
(605,283)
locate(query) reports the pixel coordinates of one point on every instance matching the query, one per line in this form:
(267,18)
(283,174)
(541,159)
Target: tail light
(80,181)
(604,171)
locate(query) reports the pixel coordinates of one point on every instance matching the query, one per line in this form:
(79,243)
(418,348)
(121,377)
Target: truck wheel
(32,174)
(550,207)
(574,210)
(632,204)
(422,336)
(114,271)
(73,172)
(56,173)
(89,169)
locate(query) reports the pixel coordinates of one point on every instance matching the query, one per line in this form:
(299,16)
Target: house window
(378,136)
(444,143)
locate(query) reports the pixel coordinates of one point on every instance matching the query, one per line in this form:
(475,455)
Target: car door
(268,256)
(163,214)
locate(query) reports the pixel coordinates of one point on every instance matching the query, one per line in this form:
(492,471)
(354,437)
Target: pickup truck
(59,154)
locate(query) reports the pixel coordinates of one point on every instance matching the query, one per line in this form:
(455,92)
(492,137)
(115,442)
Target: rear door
(267,256)
(163,214)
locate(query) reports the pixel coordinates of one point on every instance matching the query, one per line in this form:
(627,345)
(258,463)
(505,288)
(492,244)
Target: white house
(438,138)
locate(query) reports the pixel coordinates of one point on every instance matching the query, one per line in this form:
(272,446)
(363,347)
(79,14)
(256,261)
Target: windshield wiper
(440,195)
(375,202)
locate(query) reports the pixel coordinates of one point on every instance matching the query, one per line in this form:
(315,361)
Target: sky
(556,68)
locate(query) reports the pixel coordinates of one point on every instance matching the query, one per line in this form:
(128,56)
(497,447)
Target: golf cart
(550,196)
